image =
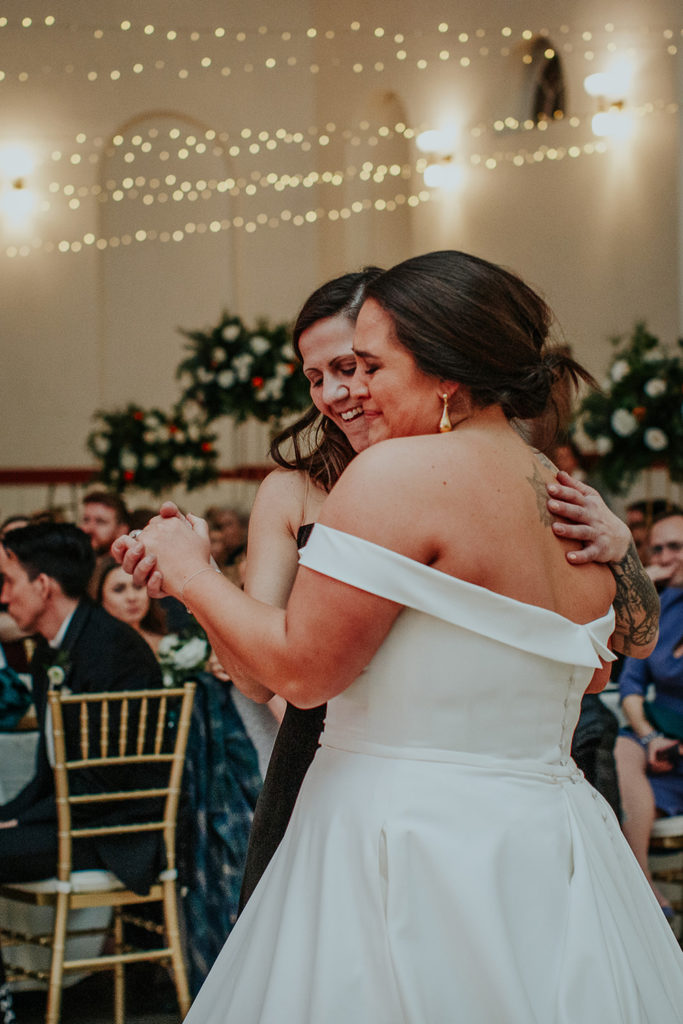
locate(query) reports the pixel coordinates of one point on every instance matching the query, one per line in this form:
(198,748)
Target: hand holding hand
(604,536)
(170,549)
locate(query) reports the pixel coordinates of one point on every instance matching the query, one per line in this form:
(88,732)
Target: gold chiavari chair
(145,729)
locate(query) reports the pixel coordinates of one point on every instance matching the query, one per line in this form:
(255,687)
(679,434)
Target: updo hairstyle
(464,319)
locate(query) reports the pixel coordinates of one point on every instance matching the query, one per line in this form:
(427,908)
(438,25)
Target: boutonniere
(56,672)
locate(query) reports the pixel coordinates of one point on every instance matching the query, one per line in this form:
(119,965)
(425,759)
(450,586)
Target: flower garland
(236,371)
(636,421)
(150,449)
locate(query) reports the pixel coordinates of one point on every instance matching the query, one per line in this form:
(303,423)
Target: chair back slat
(104,729)
(142,725)
(84,731)
(161,718)
(123,727)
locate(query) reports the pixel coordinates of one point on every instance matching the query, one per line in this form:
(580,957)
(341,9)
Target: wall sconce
(610,88)
(441,169)
(17,200)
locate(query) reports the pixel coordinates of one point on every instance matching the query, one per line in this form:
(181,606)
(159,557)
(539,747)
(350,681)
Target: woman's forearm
(636,607)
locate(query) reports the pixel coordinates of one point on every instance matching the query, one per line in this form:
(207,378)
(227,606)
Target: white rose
(623,423)
(204,375)
(150,461)
(192,410)
(259,345)
(151,420)
(128,459)
(273,388)
(178,437)
(218,355)
(287,352)
(150,436)
(55,675)
(654,387)
(230,332)
(167,643)
(619,370)
(243,365)
(192,654)
(101,444)
(261,395)
(603,445)
(226,378)
(167,678)
(178,463)
(655,439)
(652,356)
(283,370)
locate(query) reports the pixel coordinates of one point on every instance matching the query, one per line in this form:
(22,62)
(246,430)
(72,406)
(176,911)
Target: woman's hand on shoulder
(605,537)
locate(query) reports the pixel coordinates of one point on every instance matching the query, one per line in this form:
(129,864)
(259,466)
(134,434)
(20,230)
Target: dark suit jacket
(98,653)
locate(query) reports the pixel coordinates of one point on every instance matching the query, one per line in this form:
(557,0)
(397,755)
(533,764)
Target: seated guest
(130,603)
(104,518)
(647,752)
(46,568)
(664,546)
(231,524)
(639,517)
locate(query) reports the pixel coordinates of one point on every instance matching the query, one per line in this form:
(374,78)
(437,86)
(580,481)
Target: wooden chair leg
(54,994)
(173,938)
(119,976)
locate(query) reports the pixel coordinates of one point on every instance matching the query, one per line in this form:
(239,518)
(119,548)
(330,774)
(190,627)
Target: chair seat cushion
(92,880)
(664,827)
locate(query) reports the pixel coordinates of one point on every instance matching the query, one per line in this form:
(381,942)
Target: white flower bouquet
(181,657)
(636,420)
(234,370)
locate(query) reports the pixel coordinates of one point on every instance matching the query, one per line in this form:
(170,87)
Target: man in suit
(45,569)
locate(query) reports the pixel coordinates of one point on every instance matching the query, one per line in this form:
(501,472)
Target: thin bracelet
(198,572)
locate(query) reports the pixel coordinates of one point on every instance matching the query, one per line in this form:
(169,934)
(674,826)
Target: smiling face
(123,599)
(399,400)
(329,364)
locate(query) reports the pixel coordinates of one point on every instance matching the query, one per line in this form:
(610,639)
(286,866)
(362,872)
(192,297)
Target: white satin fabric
(446,862)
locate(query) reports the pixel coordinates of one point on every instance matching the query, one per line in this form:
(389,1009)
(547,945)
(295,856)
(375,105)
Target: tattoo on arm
(538,483)
(636,604)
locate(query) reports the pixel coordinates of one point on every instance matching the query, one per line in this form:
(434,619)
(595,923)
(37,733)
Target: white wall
(599,235)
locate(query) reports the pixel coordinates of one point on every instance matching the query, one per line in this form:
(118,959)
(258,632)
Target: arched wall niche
(171,229)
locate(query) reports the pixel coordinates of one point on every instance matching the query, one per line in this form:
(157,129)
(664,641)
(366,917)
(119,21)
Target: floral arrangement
(58,670)
(636,421)
(181,656)
(153,450)
(235,371)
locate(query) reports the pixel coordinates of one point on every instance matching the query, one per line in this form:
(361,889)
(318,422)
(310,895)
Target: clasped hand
(166,553)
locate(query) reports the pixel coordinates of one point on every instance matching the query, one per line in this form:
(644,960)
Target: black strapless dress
(294,748)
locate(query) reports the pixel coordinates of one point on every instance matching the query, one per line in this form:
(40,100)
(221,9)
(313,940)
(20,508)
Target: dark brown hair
(464,319)
(317,445)
(110,500)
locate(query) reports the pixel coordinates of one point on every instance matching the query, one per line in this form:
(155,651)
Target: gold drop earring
(445,422)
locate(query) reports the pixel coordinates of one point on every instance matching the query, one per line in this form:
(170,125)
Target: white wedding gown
(446,862)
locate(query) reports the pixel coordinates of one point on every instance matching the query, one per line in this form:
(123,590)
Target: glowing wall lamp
(17,200)
(441,169)
(610,88)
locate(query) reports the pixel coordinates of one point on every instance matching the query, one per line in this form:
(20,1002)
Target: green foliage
(236,371)
(636,421)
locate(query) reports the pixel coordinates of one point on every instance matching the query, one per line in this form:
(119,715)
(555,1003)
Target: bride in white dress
(446,862)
